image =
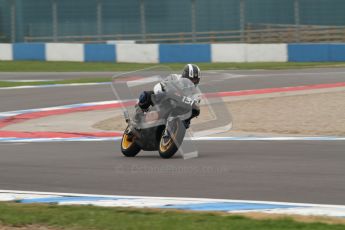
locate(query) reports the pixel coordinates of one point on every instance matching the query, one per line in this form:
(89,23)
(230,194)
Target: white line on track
(184,203)
(258,74)
(227,75)
(54,85)
(31,80)
(18,112)
(180,198)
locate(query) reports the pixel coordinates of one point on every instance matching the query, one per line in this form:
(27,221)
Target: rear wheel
(128,146)
(168,146)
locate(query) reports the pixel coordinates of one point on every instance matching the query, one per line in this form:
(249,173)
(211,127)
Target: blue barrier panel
(32,51)
(184,53)
(99,52)
(336,52)
(308,52)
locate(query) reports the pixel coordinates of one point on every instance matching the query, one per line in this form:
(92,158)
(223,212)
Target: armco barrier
(64,52)
(6,53)
(308,52)
(228,53)
(336,52)
(139,53)
(266,53)
(316,52)
(166,53)
(184,53)
(99,53)
(23,51)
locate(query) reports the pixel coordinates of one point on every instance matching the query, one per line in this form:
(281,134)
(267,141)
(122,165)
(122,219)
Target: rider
(190,71)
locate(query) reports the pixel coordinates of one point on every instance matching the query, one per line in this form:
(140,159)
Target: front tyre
(168,146)
(128,146)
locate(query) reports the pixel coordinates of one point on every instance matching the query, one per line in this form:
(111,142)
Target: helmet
(192,72)
(145,100)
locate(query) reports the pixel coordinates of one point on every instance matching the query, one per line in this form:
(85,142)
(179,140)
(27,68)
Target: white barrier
(266,53)
(149,53)
(6,53)
(137,53)
(249,52)
(228,52)
(64,52)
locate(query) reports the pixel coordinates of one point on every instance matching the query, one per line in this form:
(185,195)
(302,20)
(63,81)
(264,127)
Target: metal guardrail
(253,33)
(273,33)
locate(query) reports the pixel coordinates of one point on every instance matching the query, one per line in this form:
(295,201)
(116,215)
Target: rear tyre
(128,146)
(169,146)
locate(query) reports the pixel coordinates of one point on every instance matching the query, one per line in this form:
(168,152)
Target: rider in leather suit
(190,71)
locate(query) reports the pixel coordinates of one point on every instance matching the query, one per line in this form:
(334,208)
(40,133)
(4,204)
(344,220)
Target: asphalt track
(214,81)
(303,171)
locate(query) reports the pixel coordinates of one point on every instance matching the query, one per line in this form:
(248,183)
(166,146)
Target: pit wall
(165,53)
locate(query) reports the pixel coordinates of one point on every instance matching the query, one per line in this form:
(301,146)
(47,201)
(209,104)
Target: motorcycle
(163,126)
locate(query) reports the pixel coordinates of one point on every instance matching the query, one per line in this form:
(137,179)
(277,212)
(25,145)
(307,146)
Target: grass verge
(37,66)
(89,217)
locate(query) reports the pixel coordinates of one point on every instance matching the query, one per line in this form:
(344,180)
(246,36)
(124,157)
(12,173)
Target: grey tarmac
(308,172)
(214,81)
(292,171)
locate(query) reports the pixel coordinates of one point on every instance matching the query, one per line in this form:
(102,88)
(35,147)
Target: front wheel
(168,146)
(128,146)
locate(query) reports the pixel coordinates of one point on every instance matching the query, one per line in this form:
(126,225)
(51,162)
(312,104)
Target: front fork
(126,115)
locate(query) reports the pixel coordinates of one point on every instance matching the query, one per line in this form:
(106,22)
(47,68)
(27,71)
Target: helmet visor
(195,80)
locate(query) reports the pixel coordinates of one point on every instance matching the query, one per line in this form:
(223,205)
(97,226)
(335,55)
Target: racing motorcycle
(164,125)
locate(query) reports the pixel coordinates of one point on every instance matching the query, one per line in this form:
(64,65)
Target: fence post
(13,21)
(143,20)
(99,19)
(55,20)
(242,19)
(193,7)
(297,20)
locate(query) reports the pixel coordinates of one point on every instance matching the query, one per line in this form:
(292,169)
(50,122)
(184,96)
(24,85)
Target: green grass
(88,217)
(37,66)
